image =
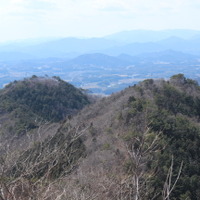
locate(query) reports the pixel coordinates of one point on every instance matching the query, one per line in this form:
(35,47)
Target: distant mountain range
(98,59)
(65,47)
(152,36)
(104,65)
(128,42)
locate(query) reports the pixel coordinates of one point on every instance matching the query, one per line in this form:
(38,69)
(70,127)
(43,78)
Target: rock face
(140,143)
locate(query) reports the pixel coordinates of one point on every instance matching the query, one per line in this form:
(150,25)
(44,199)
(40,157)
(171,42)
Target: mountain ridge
(138,38)
(108,133)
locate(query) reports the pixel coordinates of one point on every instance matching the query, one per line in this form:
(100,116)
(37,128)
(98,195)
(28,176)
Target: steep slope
(135,144)
(126,125)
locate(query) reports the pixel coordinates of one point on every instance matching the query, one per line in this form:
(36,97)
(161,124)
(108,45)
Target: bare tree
(19,175)
(168,185)
(142,149)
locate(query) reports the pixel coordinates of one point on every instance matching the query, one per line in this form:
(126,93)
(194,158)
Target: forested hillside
(141,143)
(39,99)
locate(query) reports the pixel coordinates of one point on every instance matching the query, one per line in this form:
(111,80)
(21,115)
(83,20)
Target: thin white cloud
(39,5)
(34,18)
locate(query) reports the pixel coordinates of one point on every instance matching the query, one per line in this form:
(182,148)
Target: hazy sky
(46,18)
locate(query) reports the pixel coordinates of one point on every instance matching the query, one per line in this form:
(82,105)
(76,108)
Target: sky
(22,19)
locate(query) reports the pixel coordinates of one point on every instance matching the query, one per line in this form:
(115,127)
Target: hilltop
(134,144)
(26,104)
